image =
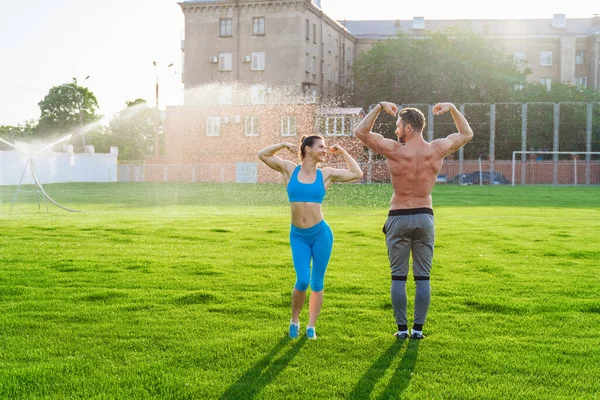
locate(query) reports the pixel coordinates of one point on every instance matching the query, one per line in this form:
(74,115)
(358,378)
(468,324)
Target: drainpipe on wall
(322,52)
(238,34)
(594,61)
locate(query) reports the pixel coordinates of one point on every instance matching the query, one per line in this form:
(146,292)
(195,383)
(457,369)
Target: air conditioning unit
(213,60)
(247,58)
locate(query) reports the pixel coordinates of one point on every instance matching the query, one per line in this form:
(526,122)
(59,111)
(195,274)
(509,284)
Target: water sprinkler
(31,165)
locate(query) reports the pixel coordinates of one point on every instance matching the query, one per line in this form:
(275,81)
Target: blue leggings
(315,242)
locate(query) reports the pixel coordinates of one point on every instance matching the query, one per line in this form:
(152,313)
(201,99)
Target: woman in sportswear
(310,236)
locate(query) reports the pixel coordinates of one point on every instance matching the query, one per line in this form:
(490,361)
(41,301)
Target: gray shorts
(410,230)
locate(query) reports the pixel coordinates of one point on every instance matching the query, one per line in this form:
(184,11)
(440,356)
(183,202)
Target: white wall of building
(59,167)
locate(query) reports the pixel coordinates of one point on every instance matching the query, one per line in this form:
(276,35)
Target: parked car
(441,179)
(487,178)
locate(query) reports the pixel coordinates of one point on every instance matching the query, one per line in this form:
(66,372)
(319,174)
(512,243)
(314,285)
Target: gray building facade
(294,44)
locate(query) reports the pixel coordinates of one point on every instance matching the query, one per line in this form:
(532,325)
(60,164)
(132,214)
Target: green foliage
(182,291)
(13,134)
(461,67)
(65,109)
(132,131)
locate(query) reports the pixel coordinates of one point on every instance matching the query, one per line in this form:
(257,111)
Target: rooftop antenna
(31,165)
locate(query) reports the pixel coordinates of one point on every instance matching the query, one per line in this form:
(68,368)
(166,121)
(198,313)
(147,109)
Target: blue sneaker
(310,333)
(294,330)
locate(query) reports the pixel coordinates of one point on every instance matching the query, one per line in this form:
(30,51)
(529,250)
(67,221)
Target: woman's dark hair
(307,141)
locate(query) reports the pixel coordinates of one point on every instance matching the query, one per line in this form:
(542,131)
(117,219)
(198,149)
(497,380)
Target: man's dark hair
(414,117)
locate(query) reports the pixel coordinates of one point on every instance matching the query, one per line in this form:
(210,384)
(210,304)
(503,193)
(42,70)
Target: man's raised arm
(375,141)
(456,140)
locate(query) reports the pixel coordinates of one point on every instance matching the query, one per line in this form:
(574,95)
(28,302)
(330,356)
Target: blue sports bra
(306,192)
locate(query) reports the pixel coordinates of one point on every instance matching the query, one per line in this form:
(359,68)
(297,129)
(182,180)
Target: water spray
(31,165)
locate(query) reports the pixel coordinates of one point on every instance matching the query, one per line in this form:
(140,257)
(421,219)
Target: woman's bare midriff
(305,215)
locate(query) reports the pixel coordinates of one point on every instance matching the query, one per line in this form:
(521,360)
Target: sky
(45,43)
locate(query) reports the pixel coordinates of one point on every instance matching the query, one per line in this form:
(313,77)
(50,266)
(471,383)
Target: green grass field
(181,291)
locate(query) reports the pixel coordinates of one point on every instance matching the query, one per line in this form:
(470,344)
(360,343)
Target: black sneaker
(416,335)
(401,335)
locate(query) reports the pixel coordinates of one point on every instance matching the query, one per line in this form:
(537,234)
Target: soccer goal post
(556,167)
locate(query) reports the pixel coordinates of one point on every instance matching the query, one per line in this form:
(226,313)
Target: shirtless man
(414,165)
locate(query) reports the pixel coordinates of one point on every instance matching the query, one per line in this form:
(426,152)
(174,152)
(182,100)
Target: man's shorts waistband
(410,211)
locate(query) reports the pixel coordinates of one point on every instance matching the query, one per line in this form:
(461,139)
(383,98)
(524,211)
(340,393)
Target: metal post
(430,122)
(555,142)
(588,142)
(523,141)
(461,153)
(81,126)
(513,169)
(370,167)
(575,168)
(492,136)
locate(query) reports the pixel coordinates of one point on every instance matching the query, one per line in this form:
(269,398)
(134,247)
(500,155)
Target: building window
(225,95)
(257,94)
(213,126)
(258,61)
(546,82)
(546,58)
(338,126)
(258,26)
(309,92)
(329,72)
(307,30)
(337,48)
(225,27)
(315,33)
(519,57)
(224,61)
(581,82)
(310,95)
(580,57)
(349,54)
(313,66)
(288,126)
(307,62)
(251,126)
(329,43)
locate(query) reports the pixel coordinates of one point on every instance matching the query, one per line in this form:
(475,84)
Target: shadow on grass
(401,377)
(263,371)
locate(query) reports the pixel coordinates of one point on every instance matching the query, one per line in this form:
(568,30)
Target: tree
(461,67)
(13,134)
(133,130)
(65,109)
(457,65)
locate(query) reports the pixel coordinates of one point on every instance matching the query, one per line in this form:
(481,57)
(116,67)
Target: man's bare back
(413,163)
(413,170)
(409,229)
